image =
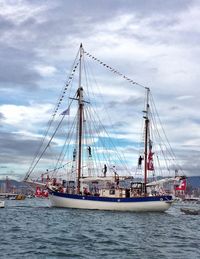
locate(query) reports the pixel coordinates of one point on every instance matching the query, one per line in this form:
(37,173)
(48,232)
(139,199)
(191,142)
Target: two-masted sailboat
(90,180)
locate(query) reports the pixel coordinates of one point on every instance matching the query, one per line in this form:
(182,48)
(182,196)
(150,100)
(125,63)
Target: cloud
(20,116)
(184,97)
(45,70)
(1,116)
(15,68)
(154,43)
(19,11)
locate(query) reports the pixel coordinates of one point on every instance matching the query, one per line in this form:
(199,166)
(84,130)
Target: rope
(170,150)
(114,70)
(62,94)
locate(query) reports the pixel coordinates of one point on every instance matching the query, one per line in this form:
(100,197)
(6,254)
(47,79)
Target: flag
(38,192)
(45,194)
(182,185)
(150,165)
(66,112)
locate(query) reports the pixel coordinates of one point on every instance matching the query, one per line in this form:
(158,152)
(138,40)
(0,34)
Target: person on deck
(140,161)
(116,176)
(104,170)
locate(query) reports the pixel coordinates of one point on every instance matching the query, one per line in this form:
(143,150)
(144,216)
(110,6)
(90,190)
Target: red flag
(38,192)
(150,165)
(182,186)
(45,193)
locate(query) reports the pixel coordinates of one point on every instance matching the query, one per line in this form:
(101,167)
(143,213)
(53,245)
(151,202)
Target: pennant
(66,112)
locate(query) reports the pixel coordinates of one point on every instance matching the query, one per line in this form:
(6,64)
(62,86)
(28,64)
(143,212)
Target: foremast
(80,120)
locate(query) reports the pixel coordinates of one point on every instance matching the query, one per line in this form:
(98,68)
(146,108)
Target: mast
(80,120)
(146,117)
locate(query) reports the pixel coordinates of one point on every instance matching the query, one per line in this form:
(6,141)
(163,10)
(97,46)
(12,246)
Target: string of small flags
(113,70)
(57,168)
(70,78)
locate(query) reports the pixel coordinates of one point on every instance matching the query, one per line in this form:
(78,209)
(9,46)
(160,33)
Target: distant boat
(29,196)
(91,181)
(12,198)
(190,211)
(2,204)
(20,197)
(193,199)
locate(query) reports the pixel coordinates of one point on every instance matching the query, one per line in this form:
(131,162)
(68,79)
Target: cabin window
(112,192)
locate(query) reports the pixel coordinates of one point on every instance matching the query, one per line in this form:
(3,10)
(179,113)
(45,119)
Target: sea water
(32,229)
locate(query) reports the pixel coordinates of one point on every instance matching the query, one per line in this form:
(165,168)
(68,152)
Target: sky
(154,42)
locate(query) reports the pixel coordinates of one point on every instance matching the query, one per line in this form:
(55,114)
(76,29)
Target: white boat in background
(2,204)
(12,197)
(90,180)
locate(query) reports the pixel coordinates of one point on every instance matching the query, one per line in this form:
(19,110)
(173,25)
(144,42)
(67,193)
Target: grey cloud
(189,163)
(1,116)
(65,22)
(130,101)
(15,68)
(174,108)
(5,25)
(108,8)
(18,149)
(1,120)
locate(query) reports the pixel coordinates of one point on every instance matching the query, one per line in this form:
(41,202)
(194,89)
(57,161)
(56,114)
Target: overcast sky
(154,42)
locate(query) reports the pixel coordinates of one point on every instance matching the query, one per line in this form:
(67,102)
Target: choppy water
(31,229)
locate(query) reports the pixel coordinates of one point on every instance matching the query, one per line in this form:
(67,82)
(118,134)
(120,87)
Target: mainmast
(80,122)
(146,135)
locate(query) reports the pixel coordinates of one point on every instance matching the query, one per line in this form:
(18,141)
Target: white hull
(159,206)
(2,204)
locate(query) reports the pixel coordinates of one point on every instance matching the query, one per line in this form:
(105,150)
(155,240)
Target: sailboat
(89,180)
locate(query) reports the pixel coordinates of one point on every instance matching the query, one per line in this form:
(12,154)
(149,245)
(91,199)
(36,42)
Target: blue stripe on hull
(108,199)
